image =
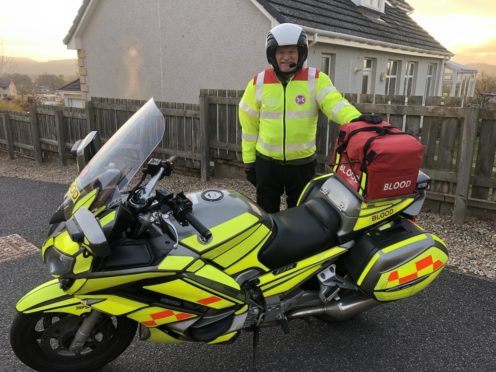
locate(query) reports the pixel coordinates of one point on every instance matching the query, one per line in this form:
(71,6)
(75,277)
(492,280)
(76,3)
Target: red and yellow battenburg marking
(188,292)
(427,265)
(428,262)
(209,300)
(155,316)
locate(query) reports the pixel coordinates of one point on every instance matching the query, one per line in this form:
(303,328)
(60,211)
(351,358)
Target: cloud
(442,7)
(456,29)
(481,53)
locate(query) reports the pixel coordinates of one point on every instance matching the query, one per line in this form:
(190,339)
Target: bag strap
(368,157)
(342,134)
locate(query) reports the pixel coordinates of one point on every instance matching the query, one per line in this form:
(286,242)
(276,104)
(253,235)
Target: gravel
(472,246)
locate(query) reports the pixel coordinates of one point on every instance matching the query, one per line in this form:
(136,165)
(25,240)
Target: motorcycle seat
(301,232)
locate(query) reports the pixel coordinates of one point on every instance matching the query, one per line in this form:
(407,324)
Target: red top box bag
(377,160)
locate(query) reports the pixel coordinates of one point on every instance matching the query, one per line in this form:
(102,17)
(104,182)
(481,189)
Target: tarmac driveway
(450,326)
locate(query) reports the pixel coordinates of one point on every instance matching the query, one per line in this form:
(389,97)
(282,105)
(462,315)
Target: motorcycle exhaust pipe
(344,309)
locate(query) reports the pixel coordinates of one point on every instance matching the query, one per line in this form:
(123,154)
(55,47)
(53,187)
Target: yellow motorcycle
(203,266)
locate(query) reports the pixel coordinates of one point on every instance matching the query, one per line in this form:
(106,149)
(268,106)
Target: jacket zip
(284,84)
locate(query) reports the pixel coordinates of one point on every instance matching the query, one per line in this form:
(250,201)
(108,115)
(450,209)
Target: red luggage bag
(377,160)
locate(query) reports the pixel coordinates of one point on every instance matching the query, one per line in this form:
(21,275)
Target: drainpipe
(314,40)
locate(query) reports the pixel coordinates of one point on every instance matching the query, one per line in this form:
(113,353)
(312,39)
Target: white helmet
(286,34)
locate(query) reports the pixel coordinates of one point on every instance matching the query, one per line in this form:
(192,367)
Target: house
(7,89)
(71,94)
(171,49)
(459,80)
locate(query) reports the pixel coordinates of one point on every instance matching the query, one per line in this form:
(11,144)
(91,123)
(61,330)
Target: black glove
(371,119)
(251,174)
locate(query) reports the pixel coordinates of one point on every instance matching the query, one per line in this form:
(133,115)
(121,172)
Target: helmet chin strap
(284,76)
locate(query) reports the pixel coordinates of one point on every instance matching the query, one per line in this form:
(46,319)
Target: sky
(35,28)
(465,27)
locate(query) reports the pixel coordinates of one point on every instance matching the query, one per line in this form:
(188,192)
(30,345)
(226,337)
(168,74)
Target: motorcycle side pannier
(377,160)
(396,260)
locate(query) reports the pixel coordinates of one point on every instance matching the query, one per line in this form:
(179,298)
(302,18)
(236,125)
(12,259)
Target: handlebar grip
(202,229)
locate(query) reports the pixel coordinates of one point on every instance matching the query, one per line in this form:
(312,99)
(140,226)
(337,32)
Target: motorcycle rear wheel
(41,341)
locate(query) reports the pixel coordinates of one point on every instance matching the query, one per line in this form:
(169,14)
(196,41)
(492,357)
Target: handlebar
(204,232)
(179,204)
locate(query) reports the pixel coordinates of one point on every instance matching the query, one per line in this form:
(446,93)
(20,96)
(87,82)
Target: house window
(328,65)
(447,81)
(464,85)
(429,83)
(368,64)
(392,77)
(377,5)
(409,78)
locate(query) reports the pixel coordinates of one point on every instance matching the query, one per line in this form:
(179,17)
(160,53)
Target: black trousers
(276,178)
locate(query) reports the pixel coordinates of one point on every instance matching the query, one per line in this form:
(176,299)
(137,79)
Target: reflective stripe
(312,71)
(270,115)
(324,92)
(271,148)
(302,114)
(338,107)
(300,146)
(249,137)
(259,86)
(247,109)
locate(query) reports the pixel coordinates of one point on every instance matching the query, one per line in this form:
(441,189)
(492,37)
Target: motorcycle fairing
(232,252)
(372,213)
(49,297)
(356,214)
(282,280)
(191,292)
(155,316)
(117,279)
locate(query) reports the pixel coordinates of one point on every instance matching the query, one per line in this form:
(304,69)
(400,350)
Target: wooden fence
(459,135)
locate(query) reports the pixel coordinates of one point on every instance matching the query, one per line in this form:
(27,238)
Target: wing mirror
(84,225)
(85,149)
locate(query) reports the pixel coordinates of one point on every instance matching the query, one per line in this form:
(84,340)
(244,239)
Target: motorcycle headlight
(58,263)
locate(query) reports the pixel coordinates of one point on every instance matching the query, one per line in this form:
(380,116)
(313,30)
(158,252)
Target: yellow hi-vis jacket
(281,123)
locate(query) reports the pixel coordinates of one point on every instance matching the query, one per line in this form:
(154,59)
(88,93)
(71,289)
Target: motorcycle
(204,266)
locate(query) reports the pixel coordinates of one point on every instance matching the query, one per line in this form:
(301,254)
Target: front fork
(84,331)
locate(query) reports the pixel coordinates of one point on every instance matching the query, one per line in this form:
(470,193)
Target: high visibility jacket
(280,122)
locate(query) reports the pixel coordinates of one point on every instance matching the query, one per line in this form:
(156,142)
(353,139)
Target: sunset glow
(35,29)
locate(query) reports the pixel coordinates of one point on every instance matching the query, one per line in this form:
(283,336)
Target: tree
(50,81)
(485,83)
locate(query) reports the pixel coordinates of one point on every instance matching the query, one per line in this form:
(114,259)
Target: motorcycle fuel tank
(239,230)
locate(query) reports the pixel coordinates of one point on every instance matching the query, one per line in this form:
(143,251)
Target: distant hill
(66,67)
(484,67)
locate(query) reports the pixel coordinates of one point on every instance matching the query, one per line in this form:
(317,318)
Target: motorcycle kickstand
(256,338)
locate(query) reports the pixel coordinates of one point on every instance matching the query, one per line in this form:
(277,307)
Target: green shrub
(10,106)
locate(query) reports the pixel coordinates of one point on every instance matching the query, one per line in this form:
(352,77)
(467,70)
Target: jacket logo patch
(300,100)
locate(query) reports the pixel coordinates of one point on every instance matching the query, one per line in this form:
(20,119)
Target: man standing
(278,114)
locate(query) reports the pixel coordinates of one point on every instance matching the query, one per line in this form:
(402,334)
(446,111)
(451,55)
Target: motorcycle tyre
(28,350)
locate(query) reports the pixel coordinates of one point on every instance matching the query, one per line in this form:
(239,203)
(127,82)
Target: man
(278,114)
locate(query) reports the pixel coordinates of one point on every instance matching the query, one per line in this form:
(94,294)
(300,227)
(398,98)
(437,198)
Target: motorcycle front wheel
(42,340)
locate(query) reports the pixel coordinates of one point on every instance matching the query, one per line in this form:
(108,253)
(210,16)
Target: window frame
(430,79)
(409,78)
(390,77)
(330,70)
(368,73)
